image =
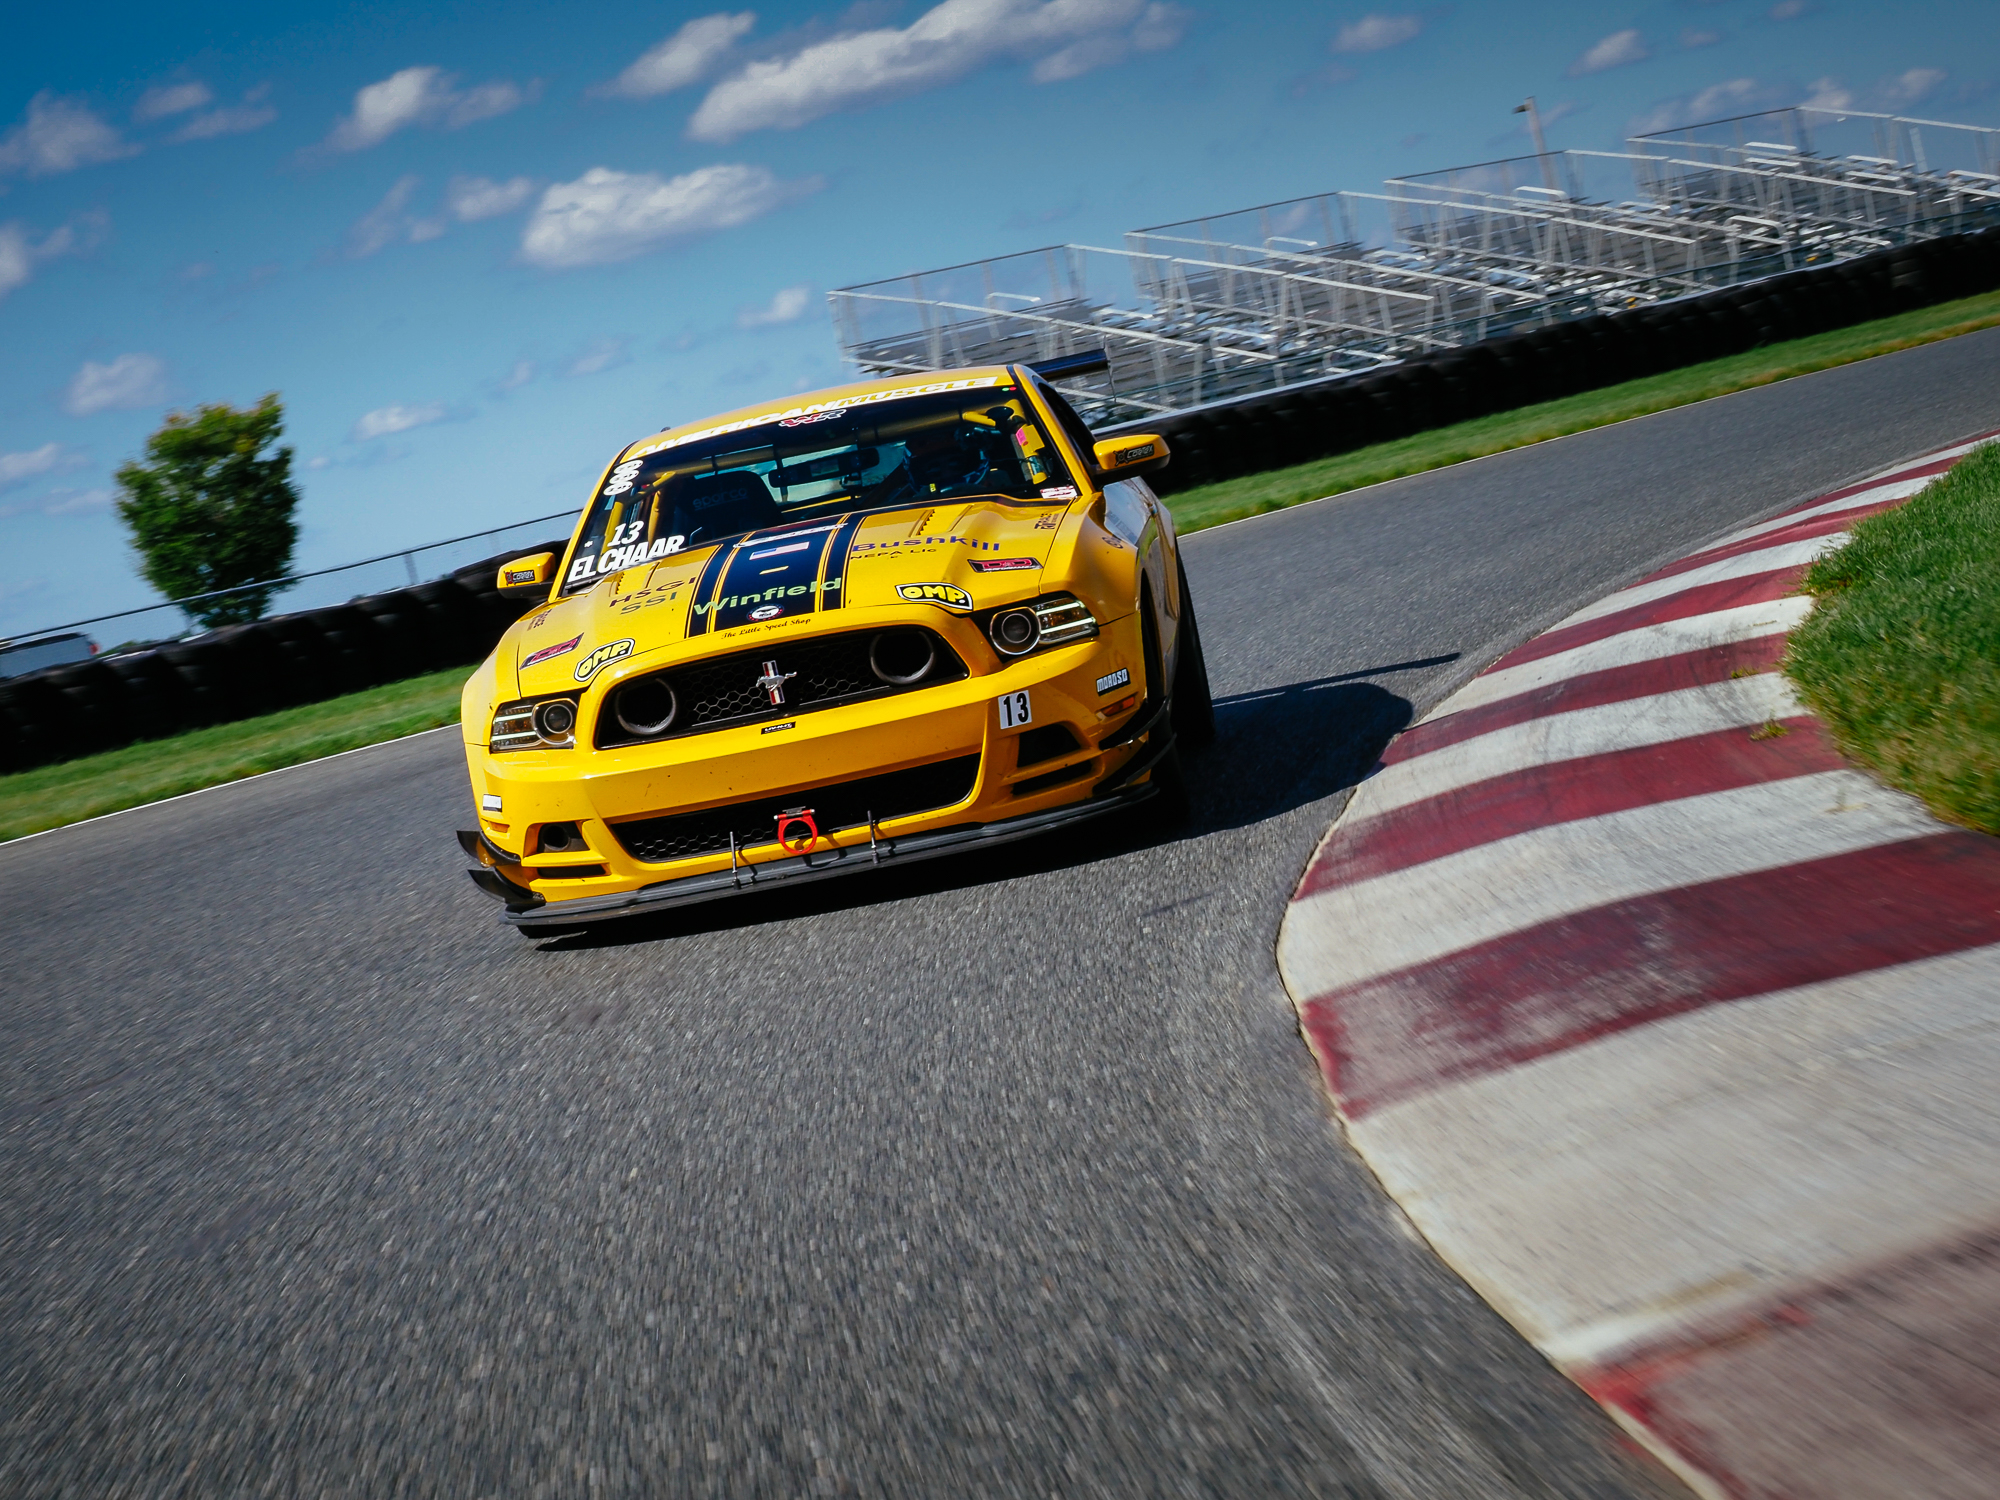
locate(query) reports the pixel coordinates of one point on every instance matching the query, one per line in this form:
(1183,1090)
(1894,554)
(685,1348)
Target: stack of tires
(1304,422)
(241,671)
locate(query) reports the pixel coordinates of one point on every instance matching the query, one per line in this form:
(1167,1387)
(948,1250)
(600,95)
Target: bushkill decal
(944,595)
(1116,680)
(1004,564)
(603,656)
(560,648)
(863,549)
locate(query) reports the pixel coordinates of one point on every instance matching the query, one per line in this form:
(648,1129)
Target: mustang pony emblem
(773,682)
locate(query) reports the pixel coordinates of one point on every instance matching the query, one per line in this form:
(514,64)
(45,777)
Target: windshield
(875,452)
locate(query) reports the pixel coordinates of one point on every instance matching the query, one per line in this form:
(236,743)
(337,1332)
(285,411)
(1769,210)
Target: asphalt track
(1012,1179)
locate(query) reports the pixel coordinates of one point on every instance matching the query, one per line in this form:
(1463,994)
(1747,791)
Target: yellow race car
(872,625)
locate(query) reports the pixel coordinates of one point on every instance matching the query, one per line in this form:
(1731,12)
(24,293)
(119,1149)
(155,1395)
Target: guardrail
(241,671)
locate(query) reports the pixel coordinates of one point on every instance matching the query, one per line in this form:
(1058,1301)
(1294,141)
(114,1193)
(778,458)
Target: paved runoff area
(1680,1039)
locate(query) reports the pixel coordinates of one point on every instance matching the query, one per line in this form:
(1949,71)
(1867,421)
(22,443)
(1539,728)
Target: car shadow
(1275,749)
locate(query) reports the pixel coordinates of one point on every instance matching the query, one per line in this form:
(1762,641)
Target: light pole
(1541,146)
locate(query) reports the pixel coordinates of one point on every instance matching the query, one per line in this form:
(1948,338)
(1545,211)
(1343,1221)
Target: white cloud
(233,119)
(520,375)
(20,251)
(1692,38)
(787,306)
(606,216)
(171,99)
(1829,94)
(1790,10)
(50,458)
(686,57)
(59,135)
(421,96)
(1906,89)
(605,354)
(130,381)
(1615,51)
(387,420)
(386,222)
(75,502)
(858,68)
(473,198)
(1373,33)
(1737,96)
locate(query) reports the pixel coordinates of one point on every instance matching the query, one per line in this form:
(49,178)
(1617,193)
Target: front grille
(830,670)
(841,804)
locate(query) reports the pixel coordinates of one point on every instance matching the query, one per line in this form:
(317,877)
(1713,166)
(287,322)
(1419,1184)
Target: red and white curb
(1680,1039)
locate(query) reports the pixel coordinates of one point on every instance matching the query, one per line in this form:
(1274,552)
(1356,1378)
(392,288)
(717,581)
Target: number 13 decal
(1014,710)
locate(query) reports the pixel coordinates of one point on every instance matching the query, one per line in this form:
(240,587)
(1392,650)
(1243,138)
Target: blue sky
(478,248)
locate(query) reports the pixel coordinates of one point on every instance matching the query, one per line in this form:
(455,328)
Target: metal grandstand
(1340,283)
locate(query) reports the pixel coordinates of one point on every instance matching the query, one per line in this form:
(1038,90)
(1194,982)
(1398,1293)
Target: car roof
(802,402)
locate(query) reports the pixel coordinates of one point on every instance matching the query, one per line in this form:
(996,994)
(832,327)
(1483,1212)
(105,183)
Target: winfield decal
(769,574)
(603,656)
(560,648)
(944,595)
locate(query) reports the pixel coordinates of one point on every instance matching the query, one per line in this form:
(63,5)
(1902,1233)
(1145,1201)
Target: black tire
(1194,704)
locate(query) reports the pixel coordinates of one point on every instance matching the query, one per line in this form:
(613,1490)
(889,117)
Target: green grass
(50,796)
(1232,500)
(1901,654)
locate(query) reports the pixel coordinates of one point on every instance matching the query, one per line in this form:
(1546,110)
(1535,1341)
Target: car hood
(956,557)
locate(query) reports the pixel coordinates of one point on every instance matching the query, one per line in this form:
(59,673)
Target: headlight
(534,724)
(1057,620)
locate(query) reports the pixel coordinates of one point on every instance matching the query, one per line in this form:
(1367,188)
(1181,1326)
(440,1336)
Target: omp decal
(603,656)
(751,593)
(944,595)
(1116,680)
(1004,564)
(831,592)
(560,648)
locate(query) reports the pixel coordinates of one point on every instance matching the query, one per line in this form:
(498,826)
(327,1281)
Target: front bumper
(613,799)
(819,864)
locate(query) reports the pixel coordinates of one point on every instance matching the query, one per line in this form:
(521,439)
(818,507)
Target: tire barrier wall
(1305,422)
(241,671)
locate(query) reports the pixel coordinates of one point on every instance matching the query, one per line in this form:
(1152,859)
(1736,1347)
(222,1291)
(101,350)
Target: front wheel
(1194,705)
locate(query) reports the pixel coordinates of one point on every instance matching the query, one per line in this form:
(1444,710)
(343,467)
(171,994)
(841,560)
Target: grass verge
(1234,499)
(1901,654)
(50,796)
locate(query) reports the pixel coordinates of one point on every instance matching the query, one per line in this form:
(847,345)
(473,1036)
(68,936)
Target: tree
(211,509)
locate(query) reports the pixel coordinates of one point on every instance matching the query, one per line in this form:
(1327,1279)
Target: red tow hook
(797,818)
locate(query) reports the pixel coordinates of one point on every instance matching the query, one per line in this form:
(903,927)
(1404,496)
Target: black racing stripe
(699,618)
(833,592)
(761,586)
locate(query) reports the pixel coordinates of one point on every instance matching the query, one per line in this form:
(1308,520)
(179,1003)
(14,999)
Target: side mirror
(527,575)
(1127,457)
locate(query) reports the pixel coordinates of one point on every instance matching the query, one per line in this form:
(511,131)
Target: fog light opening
(1015,631)
(646,707)
(902,657)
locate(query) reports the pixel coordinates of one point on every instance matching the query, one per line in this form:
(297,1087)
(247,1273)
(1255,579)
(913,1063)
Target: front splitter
(558,916)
